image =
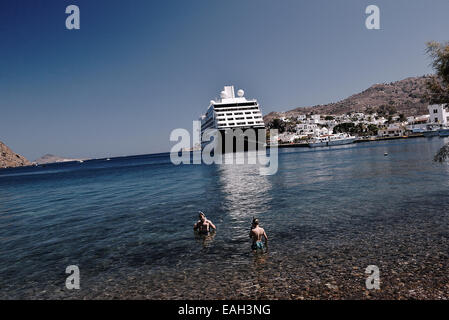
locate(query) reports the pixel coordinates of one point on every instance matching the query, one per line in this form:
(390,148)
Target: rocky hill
(405,96)
(9,159)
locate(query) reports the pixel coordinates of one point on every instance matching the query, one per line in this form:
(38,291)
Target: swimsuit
(257,245)
(201,230)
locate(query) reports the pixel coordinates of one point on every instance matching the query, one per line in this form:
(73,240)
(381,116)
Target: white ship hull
(318,144)
(328,141)
(246,143)
(340,142)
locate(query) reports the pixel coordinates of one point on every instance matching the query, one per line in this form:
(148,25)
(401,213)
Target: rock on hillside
(9,159)
(406,96)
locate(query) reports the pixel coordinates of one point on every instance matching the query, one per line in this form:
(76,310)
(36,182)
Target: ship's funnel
(229,92)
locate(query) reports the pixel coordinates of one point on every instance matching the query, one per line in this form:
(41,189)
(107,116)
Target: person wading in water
(256,234)
(203,225)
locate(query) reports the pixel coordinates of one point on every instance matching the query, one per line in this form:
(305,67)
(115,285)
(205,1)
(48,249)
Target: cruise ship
(231,112)
(331,140)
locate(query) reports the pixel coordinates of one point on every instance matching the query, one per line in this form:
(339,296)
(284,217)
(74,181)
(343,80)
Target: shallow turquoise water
(127,223)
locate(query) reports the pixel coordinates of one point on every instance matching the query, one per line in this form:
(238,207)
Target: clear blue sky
(138,69)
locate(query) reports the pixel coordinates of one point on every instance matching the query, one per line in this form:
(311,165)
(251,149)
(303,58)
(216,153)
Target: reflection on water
(205,239)
(246,192)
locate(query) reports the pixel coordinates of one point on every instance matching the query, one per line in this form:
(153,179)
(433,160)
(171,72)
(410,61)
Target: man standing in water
(256,234)
(203,225)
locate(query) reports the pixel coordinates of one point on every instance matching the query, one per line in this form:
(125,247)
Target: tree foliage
(438,87)
(443,154)
(277,124)
(386,110)
(359,129)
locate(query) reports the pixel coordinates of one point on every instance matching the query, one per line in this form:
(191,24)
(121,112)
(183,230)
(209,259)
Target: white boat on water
(331,140)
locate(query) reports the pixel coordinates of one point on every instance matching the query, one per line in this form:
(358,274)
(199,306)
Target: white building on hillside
(438,114)
(391,131)
(288,137)
(315,118)
(306,128)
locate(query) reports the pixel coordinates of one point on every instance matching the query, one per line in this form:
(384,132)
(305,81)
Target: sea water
(127,223)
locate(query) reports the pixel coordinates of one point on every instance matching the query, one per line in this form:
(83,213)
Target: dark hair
(202,214)
(256,221)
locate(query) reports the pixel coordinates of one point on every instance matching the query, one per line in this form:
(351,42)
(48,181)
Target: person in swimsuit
(256,234)
(203,225)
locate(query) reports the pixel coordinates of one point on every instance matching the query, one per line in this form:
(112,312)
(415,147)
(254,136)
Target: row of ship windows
(236,109)
(223,121)
(239,123)
(241,104)
(237,113)
(239,118)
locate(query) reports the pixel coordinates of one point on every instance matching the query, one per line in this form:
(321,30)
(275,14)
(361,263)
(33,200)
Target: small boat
(339,139)
(318,142)
(331,140)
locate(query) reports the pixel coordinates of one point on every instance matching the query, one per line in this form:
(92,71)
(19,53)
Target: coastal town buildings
(305,126)
(418,124)
(394,130)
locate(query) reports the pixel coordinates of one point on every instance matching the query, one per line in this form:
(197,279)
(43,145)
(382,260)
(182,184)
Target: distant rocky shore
(10,159)
(51,158)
